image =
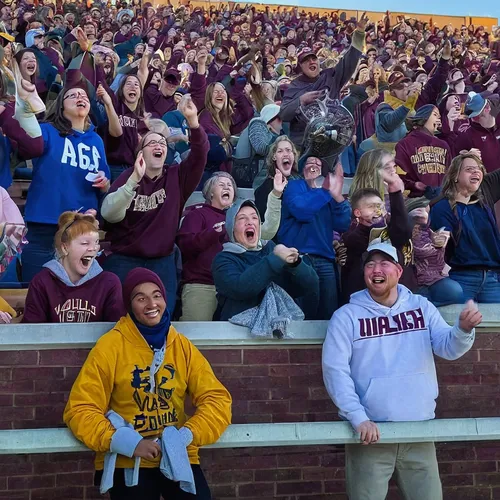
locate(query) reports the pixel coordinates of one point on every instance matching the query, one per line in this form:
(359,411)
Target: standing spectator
(311,214)
(429,251)
(311,84)
(483,133)
(73,287)
(144,359)
(144,206)
(378,366)
(247,266)
(466,209)
(422,156)
(70,171)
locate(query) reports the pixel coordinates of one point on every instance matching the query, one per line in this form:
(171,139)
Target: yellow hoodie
(116,376)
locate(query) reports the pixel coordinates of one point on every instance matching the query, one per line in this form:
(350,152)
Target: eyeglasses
(153,143)
(77,95)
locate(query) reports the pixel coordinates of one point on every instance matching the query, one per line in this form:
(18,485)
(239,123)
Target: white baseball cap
(379,247)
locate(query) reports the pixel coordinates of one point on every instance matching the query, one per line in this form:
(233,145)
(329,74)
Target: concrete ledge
(17,442)
(203,334)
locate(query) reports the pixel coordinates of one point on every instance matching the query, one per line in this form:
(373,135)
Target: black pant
(153,485)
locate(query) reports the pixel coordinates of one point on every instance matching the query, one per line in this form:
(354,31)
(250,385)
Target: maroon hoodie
(486,140)
(200,242)
(424,158)
(50,300)
(151,221)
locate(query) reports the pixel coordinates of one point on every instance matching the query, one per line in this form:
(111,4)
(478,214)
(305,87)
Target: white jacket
(378,361)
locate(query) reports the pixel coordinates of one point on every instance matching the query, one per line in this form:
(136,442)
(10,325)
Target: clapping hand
(470,317)
(289,255)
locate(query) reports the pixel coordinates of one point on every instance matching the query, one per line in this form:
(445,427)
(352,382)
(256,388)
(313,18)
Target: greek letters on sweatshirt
(115,377)
(59,182)
(378,361)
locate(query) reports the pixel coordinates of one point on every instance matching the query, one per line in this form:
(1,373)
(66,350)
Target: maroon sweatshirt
(50,300)
(424,158)
(157,104)
(486,140)
(151,221)
(199,243)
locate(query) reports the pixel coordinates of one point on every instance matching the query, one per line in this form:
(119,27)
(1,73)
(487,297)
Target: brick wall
(267,385)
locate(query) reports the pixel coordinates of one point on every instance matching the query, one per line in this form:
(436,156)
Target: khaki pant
(198,302)
(369,468)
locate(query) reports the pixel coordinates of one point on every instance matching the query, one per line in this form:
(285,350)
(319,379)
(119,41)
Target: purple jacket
(199,243)
(429,260)
(150,225)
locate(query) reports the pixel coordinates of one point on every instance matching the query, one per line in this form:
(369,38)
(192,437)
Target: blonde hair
(70,226)
(368,172)
(449,185)
(271,162)
(222,118)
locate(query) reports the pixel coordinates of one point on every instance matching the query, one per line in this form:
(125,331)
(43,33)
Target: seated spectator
(466,209)
(247,266)
(253,147)
(70,171)
(429,250)
(72,288)
(144,359)
(422,156)
(202,234)
(144,206)
(371,222)
(282,157)
(312,211)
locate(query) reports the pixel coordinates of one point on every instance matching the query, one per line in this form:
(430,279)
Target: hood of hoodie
(233,246)
(364,299)
(58,270)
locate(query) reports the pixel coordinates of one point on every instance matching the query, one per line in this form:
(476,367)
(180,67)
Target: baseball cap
(305,53)
(384,248)
(269,112)
(172,76)
(474,105)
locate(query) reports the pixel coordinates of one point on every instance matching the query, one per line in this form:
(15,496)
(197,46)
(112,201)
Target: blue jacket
(5,174)
(309,217)
(390,123)
(59,182)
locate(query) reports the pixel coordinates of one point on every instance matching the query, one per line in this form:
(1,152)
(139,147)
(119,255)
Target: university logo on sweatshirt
(83,156)
(76,311)
(383,326)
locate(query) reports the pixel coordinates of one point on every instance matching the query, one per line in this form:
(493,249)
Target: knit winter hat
(137,277)
(423,113)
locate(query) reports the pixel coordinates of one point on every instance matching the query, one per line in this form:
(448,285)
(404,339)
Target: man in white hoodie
(378,366)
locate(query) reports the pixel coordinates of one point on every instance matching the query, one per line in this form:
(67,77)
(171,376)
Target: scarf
(394,102)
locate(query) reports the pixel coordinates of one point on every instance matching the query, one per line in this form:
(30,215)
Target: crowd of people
(117,114)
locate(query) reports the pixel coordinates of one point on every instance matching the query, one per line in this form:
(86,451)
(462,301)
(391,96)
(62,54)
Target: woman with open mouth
(226,113)
(144,206)
(72,288)
(128,402)
(466,209)
(70,171)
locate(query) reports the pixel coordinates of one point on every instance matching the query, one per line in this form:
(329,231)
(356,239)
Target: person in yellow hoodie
(130,393)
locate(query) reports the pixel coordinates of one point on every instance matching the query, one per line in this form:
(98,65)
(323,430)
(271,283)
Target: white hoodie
(378,361)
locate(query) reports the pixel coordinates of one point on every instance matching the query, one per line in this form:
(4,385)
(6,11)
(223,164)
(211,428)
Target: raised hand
(189,111)
(446,54)
(103,96)
(202,56)
(393,181)
(82,39)
(334,182)
(279,183)
(363,21)
(310,97)
(139,168)
(470,317)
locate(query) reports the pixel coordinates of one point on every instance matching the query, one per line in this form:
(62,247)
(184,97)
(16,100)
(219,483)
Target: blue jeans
(327,272)
(116,171)
(39,250)
(481,286)
(444,292)
(164,267)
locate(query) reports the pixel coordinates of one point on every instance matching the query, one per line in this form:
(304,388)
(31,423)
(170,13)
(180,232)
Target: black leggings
(153,485)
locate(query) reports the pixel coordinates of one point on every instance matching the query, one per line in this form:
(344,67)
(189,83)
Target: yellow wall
(455,21)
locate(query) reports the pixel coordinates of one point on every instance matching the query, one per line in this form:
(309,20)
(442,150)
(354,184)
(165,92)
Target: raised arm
(114,125)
